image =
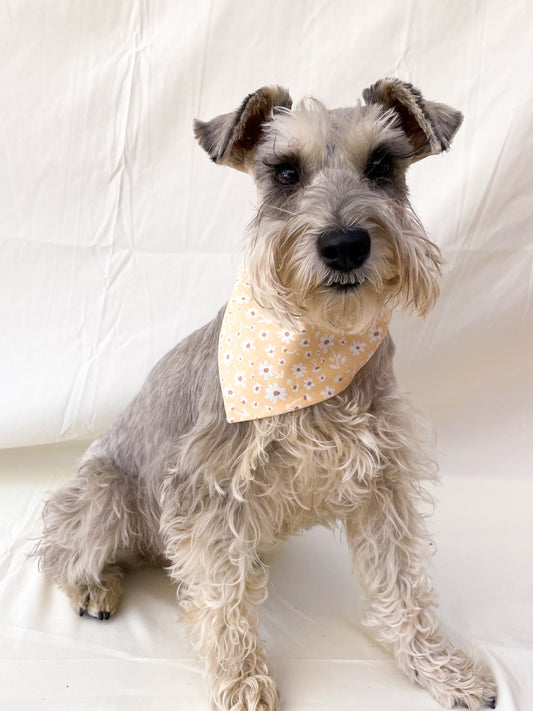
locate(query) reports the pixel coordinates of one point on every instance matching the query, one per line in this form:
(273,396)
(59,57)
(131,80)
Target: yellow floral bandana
(267,370)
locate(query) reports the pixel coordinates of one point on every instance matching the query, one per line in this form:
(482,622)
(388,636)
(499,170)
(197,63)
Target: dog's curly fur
(173,483)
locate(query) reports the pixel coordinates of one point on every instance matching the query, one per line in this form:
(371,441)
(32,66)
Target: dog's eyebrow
(274,160)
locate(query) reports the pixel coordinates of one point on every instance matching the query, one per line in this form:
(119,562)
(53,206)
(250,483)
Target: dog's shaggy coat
(173,483)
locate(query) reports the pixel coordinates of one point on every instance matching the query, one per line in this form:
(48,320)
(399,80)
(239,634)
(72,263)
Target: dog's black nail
(107,615)
(100,615)
(492,703)
(81,611)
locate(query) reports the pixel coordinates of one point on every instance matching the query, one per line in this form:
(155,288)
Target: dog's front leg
(221,581)
(390,544)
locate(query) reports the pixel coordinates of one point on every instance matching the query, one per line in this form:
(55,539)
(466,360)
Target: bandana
(268,370)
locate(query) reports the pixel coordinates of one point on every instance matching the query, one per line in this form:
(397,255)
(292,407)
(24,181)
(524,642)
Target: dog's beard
(290,281)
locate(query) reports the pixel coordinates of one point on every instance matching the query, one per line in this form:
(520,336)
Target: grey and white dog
(173,483)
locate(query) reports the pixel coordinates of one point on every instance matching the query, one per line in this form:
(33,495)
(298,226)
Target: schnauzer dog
(283,412)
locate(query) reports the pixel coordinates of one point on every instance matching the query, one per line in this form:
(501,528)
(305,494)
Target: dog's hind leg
(90,527)
(390,546)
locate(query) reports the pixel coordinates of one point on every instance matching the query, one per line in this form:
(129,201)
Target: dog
(283,412)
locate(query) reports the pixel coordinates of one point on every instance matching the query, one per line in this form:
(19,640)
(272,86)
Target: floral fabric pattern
(267,370)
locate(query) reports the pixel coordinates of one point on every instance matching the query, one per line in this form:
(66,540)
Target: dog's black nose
(344,250)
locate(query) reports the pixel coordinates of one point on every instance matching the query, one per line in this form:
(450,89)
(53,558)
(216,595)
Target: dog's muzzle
(344,250)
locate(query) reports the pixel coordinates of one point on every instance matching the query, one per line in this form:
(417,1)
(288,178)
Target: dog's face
(335,240)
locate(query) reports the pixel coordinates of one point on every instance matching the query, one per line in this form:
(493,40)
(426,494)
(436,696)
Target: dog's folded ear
(429,126)
(229,139)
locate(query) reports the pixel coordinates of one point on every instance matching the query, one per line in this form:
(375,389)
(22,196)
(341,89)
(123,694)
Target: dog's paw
(489,704)
(460,683)
(97,603)
(252,693)
(98,600)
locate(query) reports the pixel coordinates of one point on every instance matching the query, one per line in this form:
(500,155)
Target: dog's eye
(380,166)
(286,175)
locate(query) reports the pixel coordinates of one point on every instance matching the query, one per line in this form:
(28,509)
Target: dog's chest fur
(289,471)
(322,462)
(294,470)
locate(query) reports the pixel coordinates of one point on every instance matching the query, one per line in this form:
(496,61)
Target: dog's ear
(229,139)
(429,126)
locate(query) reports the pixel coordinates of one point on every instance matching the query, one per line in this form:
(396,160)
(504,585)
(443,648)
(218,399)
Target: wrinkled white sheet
(321,656)
(118,237)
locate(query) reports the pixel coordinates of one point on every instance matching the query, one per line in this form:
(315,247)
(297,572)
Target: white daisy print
(375,335)
(357,347)
(268,369)
(265,370)
(298,370)
(326,342)
(286,336)
(248,345)
(275,392)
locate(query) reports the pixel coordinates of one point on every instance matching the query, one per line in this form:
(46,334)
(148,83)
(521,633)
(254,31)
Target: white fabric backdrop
(118,237)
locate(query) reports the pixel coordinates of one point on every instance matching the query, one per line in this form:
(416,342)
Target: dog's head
(335,239)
